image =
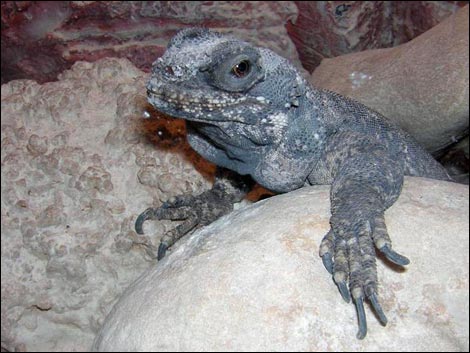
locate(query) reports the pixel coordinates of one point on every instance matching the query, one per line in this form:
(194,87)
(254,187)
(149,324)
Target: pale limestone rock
(253,281)
(422,85)
(74,158)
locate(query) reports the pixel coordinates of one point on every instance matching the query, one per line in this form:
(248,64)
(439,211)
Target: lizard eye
(235,68)
(241,69)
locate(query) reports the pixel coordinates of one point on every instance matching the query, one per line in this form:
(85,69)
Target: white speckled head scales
(190,49)
(196,34)
(200,49)
(193,48)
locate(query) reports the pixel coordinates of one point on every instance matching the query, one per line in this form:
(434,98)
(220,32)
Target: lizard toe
(327,249)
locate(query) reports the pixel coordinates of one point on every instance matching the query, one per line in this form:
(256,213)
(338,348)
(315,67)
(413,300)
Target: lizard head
(208,77)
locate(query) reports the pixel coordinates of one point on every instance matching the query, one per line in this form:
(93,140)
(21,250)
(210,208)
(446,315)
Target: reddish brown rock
(325,29)
(40,39)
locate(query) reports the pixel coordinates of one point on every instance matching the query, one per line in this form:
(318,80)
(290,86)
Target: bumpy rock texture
(79,162)
(422,85)
(261,286)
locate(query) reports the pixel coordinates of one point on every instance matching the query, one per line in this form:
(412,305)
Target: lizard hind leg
(174,209)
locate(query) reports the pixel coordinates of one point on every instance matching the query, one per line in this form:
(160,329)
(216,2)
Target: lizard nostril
(169,70)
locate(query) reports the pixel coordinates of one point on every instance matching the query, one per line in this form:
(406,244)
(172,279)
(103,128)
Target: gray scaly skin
(249,111)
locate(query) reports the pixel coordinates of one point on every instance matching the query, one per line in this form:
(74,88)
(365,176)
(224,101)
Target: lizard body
(250,111)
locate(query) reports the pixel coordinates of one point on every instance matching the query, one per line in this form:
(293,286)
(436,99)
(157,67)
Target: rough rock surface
(40,39)
(253,281)
(79,163)
(423,85)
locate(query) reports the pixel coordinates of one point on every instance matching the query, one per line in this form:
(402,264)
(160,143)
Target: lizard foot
(176,209)
(348,253)
(194,211)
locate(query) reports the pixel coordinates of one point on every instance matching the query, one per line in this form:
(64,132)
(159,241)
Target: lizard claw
(149,213)
(378,309)
(326,249)
(361,316)
(394,256)
(344,291)
(162,250)
(383,243)
(328,262)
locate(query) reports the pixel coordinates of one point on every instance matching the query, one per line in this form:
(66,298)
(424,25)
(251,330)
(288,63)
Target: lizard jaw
(195,106)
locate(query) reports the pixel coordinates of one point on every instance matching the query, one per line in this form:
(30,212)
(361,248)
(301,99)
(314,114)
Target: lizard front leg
(366,181)
(198,210)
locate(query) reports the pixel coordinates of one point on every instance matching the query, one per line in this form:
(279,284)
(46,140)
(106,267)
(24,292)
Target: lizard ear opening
(236,71)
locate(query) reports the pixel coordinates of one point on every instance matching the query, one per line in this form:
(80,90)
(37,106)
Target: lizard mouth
(192,98)
(189,103)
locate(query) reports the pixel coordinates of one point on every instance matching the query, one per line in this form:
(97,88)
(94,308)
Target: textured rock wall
(79,163)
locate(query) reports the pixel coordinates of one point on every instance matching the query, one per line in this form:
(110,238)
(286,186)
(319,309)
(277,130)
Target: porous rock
(253,281)
(79,163)
(422,85)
